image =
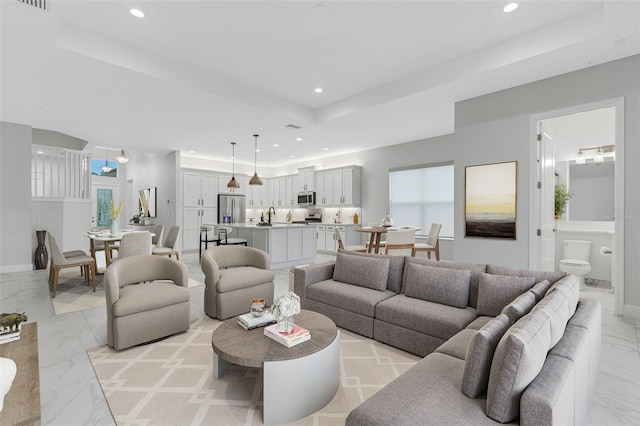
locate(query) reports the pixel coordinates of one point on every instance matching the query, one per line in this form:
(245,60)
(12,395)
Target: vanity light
(600,152)
(580,160)
(122,158)
(599,158)
(233,183)
(255,179)
(106,168)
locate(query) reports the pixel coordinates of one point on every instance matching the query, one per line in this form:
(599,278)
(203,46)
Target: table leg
(372,241)
(107,253)
(219,366)
(378,237)
(92,249)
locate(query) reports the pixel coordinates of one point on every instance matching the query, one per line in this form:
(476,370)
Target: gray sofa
(501,345)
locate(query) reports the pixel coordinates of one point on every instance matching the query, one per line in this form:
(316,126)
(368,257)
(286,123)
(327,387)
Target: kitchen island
(287,244)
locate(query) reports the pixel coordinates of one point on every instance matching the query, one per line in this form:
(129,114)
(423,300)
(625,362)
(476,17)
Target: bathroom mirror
(593,189)
(147,202)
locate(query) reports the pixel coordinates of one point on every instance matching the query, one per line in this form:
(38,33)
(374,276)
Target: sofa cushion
(457,345)
(440,285)
(232,279)
(474,268)
(571,286)
(346,296)
(396,267)
(520,306)
(479,355)
(555,306)
(362,271)
(479,322)
(433,319)
(497,291)
(552,277)
(518,359)
(540,289)
(146,296)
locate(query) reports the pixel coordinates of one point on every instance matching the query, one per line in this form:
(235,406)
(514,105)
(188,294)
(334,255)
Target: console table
(22,403)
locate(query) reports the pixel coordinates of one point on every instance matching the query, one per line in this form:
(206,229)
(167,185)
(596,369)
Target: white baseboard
(631,311)
(16,268)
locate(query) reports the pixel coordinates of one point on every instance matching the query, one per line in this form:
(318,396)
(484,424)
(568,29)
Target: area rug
(74,294)
(170,382)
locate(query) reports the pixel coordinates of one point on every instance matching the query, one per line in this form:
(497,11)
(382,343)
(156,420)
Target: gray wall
(17,234)
(495,127)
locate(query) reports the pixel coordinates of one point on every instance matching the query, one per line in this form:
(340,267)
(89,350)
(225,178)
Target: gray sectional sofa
(501,345)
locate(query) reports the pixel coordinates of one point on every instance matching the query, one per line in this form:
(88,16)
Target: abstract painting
(490,200)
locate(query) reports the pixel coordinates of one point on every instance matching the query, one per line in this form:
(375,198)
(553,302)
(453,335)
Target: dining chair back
(134,244)
(170,246)
(401,242)
(156,240)
(60,261)
(433,242)
(338,237)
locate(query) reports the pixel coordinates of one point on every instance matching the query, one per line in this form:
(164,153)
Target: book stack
(9,336)
(249,322)
(288,339)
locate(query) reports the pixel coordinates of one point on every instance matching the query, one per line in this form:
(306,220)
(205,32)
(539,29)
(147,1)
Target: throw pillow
(439,285)
(482,346)
(497,291)
(552,277)
(362,271)
(518,359)
(396,267)
(540,289)
(520,306)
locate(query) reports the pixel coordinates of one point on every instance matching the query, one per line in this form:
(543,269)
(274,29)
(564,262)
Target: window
(423,196)
(97,168)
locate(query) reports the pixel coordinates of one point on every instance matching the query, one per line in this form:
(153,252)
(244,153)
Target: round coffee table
(297,381)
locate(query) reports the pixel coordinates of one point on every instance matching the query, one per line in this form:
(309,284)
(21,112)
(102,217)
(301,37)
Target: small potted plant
(562,196)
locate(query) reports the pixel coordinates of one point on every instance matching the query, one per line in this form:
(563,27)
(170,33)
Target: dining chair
(156,239)
(401,242)
(170,246)
(134,244)
(433,242)
(59,261)
(338,236)
(223,236)
(207,235)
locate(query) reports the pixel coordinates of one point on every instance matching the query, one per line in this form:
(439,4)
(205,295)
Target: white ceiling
(195,75)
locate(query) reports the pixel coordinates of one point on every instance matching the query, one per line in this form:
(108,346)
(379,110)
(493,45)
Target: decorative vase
(387,221)
(41,255)
(114,228)
(285,324)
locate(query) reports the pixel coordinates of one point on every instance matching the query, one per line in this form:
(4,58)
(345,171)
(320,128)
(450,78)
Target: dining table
(107,239)
(376,235)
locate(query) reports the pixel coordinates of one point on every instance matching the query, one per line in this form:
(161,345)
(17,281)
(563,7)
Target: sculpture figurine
(11,322)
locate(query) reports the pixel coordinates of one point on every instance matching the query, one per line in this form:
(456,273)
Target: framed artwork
(490,200)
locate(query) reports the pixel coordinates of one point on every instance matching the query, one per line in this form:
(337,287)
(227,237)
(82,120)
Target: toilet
(576,255)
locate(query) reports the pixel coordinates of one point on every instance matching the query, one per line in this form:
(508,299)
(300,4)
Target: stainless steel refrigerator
(231,208)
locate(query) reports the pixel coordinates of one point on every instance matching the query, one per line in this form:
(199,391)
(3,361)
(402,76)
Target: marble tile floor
(71,395)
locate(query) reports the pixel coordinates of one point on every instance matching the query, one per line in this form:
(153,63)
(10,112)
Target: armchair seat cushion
(233,279)
(146,296)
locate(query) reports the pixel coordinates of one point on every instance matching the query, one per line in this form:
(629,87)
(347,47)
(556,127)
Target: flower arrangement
(286,306)
(115,211)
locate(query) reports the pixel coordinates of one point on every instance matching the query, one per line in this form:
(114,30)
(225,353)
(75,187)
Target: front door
(102,195)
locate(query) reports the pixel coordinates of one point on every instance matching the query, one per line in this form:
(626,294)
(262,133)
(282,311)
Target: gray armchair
(147,298)
(234,276)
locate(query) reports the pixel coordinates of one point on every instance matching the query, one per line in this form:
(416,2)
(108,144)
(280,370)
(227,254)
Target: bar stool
(204,237)
(223,235)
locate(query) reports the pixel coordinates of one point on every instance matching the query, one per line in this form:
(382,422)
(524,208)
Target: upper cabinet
(258,195)
(339,187)
(305,180)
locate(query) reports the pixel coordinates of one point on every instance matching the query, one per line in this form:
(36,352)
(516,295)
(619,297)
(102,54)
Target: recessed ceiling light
(275,144)
(292,156)
(325,149)
(192,152)
(40,152)
(318,90)
(299,139)
(257,150)
(137,13)
(510,7)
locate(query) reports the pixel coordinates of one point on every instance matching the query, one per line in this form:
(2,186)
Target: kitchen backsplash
(328,215)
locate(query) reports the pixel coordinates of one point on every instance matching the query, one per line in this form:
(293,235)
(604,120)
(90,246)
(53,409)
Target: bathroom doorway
(581,148)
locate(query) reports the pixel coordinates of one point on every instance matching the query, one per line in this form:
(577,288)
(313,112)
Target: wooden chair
(59,261)
(433,242)
(338,236)
(170,246)
(401,242)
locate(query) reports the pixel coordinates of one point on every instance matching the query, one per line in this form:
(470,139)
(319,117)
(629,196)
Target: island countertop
(273,225)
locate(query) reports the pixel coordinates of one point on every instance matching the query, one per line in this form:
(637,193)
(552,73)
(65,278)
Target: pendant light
(233,183)
(106,168)
(122,158)
(255,180)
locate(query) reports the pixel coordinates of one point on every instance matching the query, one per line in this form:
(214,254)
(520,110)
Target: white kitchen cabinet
(258,195)
(339,187)
(278,245)
(324,189)
(291,196)
(320,239)
(330,242)
(305,180)
(309,242)
(294,244)
(199,201)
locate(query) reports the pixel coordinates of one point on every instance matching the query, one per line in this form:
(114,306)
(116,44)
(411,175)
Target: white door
(547,179)
(101,204)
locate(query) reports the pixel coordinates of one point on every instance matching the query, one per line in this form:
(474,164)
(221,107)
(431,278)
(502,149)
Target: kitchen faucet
(269,213)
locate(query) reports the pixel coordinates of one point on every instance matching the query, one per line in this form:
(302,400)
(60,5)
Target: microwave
(306,198)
